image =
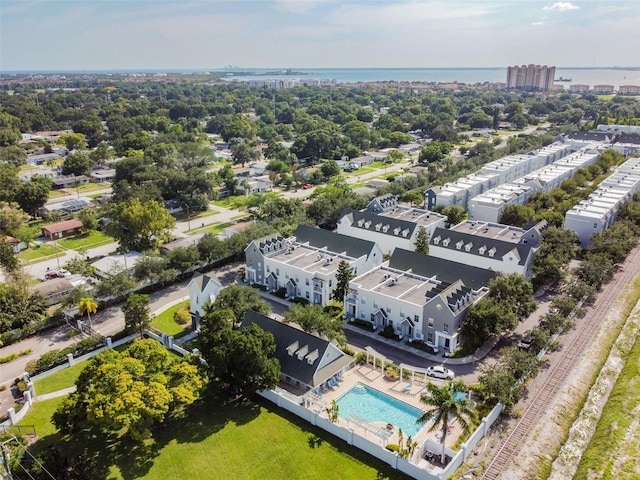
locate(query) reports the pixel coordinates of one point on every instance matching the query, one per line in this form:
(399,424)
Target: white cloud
(536,24)
(562,7)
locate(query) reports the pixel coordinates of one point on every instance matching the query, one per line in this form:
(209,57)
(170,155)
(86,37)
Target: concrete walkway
(57,393)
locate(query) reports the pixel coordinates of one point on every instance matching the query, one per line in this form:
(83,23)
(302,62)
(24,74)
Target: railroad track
(555,377)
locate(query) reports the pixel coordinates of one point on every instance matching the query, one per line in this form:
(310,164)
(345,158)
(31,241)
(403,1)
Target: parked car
(307,186)
(440,372)
(525,343)
(62,273)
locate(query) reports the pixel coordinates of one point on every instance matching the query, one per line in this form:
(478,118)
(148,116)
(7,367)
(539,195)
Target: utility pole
(188,218)
(5,459)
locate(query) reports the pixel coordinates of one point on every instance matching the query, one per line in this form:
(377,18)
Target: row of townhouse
(389,224)
(423,298)
(493,174)
(306,264)
(598,212)
(489,206)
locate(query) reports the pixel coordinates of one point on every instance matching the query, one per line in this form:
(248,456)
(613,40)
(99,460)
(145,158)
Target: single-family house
(53,291)
(68,228)
(203,289)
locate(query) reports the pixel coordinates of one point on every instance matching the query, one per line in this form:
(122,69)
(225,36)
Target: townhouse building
(420,297)
(488,206)
(493,174)
(598,212)
(389,224)
(476,244)
(306,264)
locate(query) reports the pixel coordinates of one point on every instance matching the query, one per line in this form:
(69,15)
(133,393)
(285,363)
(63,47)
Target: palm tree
(443,406)
(89,305)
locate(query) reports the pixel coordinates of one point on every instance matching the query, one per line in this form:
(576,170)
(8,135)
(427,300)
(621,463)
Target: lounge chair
(408,387)
(332,383)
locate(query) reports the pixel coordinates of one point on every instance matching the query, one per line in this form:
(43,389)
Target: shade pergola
(375,355)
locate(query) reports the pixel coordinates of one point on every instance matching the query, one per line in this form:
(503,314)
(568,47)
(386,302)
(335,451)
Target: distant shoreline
(271,70)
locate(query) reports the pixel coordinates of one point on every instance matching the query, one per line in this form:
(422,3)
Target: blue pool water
(374,406)
(459,396)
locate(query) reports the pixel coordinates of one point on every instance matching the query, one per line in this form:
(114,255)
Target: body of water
(588,76)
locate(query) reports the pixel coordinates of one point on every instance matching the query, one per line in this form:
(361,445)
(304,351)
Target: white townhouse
(600,209)
(493,174)
(489,206)
(489,246)
(306,264)
(421,297)
(389,224)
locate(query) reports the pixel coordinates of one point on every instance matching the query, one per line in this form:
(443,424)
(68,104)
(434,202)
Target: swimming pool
(375,406)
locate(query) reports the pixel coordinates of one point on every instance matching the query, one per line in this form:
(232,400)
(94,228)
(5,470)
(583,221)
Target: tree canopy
(133,390)
(140,225)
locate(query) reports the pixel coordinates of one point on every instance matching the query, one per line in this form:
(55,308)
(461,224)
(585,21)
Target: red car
(307,186)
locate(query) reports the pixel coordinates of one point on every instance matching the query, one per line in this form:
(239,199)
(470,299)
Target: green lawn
(213,228)
(86,240)
(616,441)
(89,187)
(39,416)
(56,194)
(219,438)
(237,203)
(59,380)
(165,322)
(39,253)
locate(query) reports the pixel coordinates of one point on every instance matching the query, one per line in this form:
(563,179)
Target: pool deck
(401,390)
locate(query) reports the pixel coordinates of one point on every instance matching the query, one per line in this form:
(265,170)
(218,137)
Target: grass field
(213,228)
(90,187)
(40,253)
(219,438)
(613,450)
(86,240)
(165,322)
(59,380)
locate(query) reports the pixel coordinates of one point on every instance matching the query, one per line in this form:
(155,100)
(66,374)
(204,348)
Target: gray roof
(444,270)
(590,136)
(307,368)
(375,219)
(501,247)
(203,280)
(333,242)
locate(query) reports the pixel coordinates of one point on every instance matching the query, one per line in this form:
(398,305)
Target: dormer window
(436,240)
(378,227)
(385,229)
(291,349)
(492,252)
(396,230)
(459,245)
(445,242)
(367,224)
(405,233)
(360,222)
(482,249)
(468,246)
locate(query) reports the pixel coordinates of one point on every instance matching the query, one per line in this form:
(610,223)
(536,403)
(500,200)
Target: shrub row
(56,357)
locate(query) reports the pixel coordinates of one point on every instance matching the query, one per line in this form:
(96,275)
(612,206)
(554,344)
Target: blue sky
(144,34)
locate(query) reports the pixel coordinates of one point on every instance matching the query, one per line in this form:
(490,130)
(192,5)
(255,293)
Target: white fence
(30,394)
